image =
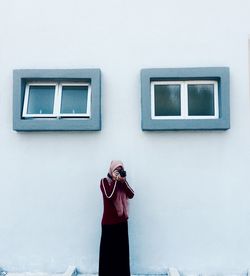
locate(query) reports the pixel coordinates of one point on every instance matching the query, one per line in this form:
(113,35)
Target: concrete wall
(191,208)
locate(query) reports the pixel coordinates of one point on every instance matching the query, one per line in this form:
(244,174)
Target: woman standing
(114,247)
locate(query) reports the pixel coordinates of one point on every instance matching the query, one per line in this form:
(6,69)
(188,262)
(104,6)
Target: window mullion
(184,104)
(57,100)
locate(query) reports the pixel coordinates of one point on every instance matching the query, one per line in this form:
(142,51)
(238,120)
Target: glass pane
(74,99)
(167,100)
(41,99)
(201,100)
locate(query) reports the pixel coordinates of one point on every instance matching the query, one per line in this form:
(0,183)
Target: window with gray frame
(185,98)
(57,99)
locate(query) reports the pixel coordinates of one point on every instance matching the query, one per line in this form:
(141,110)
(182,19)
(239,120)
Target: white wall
(191,208)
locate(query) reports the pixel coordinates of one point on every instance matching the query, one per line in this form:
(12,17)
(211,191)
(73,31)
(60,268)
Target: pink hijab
(121,200)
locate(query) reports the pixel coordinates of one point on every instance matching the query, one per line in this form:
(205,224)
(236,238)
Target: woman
(114,247)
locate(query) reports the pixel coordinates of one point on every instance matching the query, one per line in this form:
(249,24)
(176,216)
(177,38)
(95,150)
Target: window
(57,99)
(185,98)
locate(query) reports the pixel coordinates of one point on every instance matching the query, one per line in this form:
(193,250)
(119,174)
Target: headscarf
(120,201)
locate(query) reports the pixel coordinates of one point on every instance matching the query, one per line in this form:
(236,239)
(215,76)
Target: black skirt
(114,250)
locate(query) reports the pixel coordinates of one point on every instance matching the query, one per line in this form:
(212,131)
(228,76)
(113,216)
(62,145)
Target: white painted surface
(172,271)
(191,208)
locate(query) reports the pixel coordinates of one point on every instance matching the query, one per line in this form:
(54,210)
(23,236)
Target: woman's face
(118,168)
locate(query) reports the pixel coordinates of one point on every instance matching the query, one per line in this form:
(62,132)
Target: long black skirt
(114,250)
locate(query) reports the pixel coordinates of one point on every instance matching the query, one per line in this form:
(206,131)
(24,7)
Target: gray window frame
(21,77)
(218,74)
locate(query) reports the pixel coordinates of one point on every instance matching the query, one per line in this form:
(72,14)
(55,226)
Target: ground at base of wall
(71,271)
(45,274)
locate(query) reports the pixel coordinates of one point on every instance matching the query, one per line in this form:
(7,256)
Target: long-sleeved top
(109,191)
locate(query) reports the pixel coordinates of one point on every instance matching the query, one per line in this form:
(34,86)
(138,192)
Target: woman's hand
(120,178)
(116,176)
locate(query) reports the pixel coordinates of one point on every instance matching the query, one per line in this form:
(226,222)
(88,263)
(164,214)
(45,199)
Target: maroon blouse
(109,191)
